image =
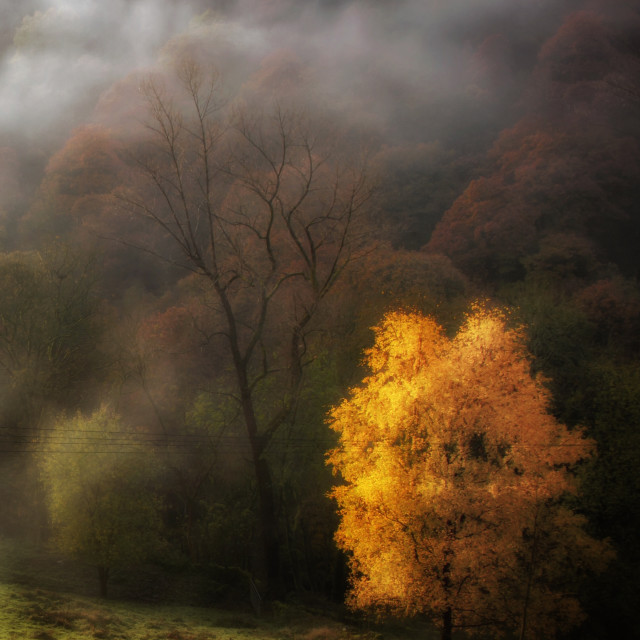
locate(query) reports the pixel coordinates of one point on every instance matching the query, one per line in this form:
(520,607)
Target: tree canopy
(100,496)
(455,475)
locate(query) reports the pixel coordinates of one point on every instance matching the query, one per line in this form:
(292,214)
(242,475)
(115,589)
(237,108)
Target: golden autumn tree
(455,477)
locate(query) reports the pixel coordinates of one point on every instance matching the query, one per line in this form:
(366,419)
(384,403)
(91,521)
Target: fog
(214,285)
(64,53)
(385,59)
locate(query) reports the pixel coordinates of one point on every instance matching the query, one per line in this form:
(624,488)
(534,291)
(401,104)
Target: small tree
(455,475)
(49,333)
(100,500)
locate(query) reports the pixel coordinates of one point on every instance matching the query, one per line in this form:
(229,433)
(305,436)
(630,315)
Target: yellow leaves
(404,341)
(448,452)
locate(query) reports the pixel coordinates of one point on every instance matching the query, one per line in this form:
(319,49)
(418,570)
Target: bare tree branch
(259,207)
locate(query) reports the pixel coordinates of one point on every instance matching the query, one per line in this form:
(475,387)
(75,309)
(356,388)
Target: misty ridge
(59,57)
(205,208)
(448,73)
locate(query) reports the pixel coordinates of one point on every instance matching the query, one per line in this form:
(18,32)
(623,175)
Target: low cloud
(388,61)
(63,54)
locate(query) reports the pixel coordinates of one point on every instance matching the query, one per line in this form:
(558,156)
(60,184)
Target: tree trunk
(103,577)
(268,531)
(532,564)
(447,624)
(447,616)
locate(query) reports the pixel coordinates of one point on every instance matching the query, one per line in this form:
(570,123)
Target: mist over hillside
(451,73)
(394,62)
(205,205)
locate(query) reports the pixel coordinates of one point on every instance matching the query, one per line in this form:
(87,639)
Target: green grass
(27,613)
(44,596)
(44,615)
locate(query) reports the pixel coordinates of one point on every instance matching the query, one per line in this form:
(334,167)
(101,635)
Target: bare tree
(262,206)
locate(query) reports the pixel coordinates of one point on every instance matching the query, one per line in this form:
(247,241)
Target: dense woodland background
(500,142)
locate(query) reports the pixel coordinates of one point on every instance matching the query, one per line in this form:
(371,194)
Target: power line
(140,438)
(232,444)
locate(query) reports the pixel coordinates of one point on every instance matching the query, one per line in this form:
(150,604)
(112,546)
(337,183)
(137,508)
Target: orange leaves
(404,340)
(449,453)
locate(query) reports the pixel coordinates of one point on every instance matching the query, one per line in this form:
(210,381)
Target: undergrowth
(44,597)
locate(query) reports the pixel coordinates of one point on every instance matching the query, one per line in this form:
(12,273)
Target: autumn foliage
(455,475)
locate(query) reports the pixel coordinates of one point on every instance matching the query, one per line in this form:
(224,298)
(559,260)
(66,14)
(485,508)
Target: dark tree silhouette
(262,207)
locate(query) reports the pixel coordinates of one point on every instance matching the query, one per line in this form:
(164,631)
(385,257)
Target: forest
(328,302)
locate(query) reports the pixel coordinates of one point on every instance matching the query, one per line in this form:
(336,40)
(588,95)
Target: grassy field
(42,597)
(44,615)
